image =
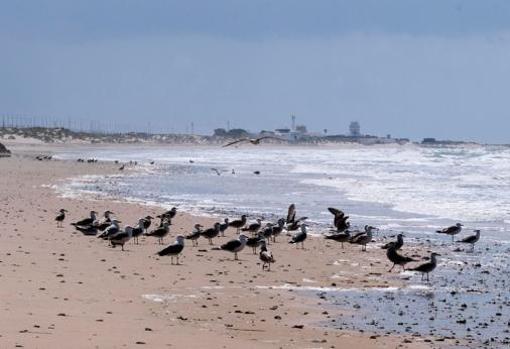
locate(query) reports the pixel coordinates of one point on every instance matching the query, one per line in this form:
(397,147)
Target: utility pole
(293,127)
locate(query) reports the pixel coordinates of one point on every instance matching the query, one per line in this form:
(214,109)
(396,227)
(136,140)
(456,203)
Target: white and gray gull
(236,245)
(174,249)
(300,237)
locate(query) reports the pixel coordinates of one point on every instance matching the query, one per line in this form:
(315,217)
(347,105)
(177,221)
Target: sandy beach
(60,287)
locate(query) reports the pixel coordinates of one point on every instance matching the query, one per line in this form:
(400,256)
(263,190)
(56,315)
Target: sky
(409,68)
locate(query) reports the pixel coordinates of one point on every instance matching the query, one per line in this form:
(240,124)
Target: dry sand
(59,287)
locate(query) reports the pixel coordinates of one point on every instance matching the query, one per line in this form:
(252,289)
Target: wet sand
(60,287)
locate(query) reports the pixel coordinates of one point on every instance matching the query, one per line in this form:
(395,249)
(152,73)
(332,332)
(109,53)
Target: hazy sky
(411,68)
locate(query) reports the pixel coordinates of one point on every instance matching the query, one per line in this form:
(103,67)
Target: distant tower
(192,128)
(293,117)
(354,129)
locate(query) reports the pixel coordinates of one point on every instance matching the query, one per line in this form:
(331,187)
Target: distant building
(301,129)
(354,129)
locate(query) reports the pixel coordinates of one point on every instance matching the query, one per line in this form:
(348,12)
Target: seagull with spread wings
(254,141)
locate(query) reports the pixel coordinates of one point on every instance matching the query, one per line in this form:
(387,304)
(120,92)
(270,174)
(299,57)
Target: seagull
(395,258)
(174,249)
(292,222)
(397,245)
(105,222)
(238,224)
(428,267)
(194,235)
(121,237)
(87,221)
(472,239)
(300,237)
(277,229)
(363,239)
(169,214)
(235,246)
(138,230)
(254,242)
(87,230)
(254,227)
(147,222)
(266,256)
(160,232)
(291,214)
(111,230)
(218,172)
(60,217)
(360,233)
(267,232)
(254,141)
(340,219)
(339,237)
(453,230)
(211,233)
(224,226)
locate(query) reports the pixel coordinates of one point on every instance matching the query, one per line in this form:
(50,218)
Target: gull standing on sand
(254,227)
(105,222)
(60,217)
(239,223)
(174,249)
(147,222)
(397,245)
(300,237)
(363,239)
(266,256)
(428,267)
(396,258)
(194,235)
(211,233)
(277,229)
(111,230)
(255,242)
(138,230)
(160,232)
(473,239)
(339,237)
(224,226)
(453,230)
(235,246)
(87,221)
(121,237)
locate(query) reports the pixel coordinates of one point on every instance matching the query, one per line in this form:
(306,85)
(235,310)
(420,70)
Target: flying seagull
(254,141)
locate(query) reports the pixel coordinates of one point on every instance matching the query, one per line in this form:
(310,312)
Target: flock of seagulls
(255,235)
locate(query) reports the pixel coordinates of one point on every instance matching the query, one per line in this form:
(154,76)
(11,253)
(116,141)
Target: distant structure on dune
(355,129)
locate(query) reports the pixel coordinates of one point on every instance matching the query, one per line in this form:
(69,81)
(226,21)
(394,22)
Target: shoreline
(79,289)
